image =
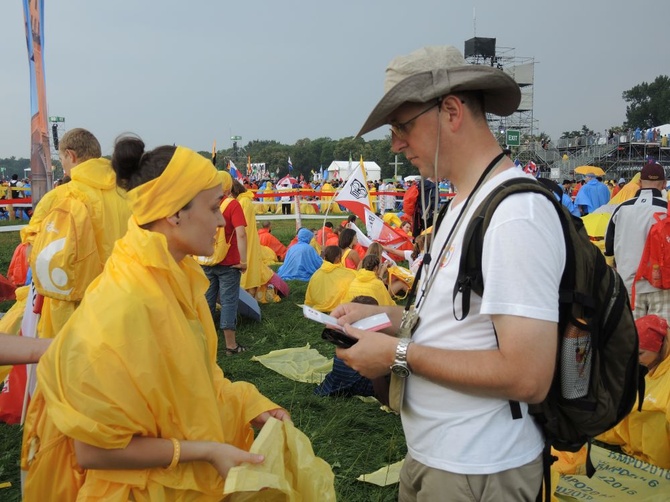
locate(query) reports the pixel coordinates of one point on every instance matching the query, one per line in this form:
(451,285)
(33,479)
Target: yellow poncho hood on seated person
(328,286)
(367,283)
(138,358)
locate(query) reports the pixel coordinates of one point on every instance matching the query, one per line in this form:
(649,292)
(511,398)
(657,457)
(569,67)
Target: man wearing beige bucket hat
(462,441)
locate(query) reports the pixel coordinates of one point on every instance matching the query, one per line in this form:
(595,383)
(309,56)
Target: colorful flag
(40,154)
(234,172)
(354,194)
(290,164)
(378,230)
(249,170)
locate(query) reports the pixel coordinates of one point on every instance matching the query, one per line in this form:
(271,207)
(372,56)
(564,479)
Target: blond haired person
(92,199)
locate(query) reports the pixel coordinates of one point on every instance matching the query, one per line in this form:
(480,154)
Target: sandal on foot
(236,350)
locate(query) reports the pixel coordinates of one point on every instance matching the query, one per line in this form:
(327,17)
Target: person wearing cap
(644,434)
(626,234)
(98,212)
(592,195)
(130,403)
(618,187)
(461,438)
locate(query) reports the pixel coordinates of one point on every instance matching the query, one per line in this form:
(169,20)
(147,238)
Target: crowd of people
(169,425)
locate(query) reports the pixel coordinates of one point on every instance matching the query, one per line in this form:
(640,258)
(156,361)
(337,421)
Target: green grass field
(352,436)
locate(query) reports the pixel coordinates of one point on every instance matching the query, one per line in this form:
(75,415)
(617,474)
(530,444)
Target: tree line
(647,104)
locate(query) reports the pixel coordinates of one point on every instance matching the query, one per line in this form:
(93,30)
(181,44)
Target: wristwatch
(400,367)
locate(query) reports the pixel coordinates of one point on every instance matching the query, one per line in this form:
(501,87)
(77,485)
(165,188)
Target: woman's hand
(278,413)
(226,456)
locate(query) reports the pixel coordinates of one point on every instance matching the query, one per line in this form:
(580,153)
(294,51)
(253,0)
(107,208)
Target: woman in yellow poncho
(257,272)
(131,404)
(330,282)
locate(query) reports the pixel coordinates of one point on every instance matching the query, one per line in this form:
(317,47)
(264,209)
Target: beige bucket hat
(431,72)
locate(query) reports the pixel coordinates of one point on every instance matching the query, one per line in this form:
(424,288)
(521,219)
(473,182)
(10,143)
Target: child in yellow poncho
(367,283)
(329,284)
(131,404)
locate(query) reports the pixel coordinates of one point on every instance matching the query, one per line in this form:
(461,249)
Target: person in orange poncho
(330,282)
(130,403)
(324,233)
(267,239)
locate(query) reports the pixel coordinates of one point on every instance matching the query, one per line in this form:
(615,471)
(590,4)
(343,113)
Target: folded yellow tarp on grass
(302,364)
(290,473)
(387,475)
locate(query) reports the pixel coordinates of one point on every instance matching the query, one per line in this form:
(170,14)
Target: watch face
(401,371)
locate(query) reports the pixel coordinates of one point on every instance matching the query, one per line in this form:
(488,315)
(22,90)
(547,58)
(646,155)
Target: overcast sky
(190,72)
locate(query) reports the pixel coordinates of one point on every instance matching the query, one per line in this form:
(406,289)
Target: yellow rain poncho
(367,283)
(138,358)
(93,195)
(257,273)
(646,434)
(328,286)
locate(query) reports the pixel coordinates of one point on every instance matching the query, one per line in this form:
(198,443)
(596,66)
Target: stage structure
(480,50)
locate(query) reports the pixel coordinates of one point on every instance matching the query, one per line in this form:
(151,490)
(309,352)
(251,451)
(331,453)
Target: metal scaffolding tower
(481,50)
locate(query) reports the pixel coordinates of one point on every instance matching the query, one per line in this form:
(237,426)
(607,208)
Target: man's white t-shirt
(522,263)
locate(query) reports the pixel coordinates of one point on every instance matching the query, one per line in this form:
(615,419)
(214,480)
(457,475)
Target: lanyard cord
(427,257)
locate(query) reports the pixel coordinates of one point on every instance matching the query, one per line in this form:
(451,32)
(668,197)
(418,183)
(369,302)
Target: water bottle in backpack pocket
(575,360)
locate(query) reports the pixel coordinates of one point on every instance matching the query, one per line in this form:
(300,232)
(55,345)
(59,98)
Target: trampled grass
(352,436)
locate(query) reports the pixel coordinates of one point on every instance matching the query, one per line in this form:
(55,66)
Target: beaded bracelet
(176,453)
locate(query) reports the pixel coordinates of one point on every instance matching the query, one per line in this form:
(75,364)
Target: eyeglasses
(401,130)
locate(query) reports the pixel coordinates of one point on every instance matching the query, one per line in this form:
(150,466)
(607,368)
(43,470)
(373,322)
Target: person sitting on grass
(344,381)
(267,239)
(348,240)
(330,283)
(367,283)
(301,260)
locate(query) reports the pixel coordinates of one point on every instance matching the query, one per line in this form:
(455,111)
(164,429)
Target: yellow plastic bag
(290,473)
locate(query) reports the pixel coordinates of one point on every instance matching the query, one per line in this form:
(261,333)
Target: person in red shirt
(224,278)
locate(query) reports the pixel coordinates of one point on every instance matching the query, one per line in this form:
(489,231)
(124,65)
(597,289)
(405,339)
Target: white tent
(342,169)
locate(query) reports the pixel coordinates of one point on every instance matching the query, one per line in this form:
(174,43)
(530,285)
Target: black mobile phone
(337,337)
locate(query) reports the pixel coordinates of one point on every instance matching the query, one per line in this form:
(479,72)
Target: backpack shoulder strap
(470,277)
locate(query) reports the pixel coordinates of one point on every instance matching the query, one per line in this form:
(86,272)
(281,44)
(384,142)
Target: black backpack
(597,376)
